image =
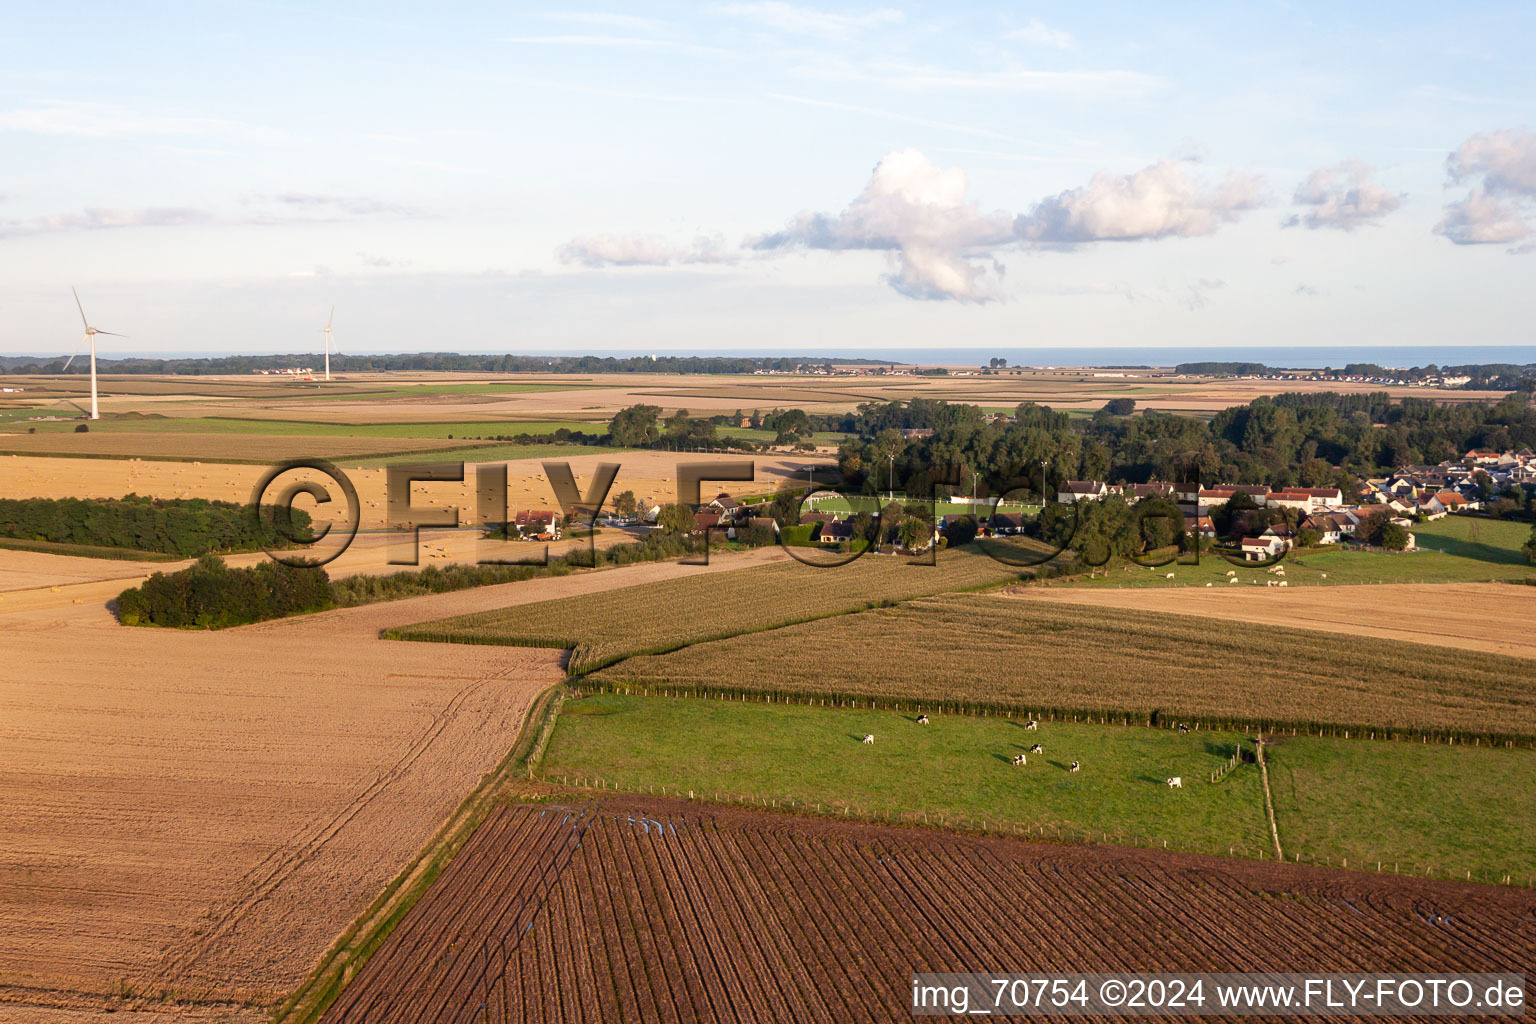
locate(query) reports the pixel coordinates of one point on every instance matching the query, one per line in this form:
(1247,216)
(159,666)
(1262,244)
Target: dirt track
(1492,617)
(205,812)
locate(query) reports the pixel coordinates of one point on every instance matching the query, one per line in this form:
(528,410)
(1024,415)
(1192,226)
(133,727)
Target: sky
(766,175)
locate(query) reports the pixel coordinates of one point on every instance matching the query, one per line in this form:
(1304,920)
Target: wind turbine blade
(330,319)
(76,352)
(113,334)
(78,306)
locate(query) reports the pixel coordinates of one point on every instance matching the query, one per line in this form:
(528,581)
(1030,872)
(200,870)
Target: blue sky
(215,176)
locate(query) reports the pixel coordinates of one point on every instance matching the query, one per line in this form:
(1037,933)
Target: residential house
(840,532)
(727,507)
(1005,524)
(537,524)
(1081,490)
(1257,549)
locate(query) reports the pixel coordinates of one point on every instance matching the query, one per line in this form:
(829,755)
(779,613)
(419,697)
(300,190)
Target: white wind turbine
(90,337)
(326,330)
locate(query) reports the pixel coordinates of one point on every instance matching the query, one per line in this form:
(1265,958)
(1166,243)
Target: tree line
(187,527)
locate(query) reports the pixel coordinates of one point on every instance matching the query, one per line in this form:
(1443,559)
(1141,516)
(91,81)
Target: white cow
(1031,725)
(869,738)
(1177,782)
(1074,767)
(922,719)
(1210,584)
(1234,581)
(1020,760)
(1170,576)
(1231,572)
(1285,583)
(1037,749)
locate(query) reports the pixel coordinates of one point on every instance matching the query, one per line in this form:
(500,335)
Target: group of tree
(186,527)
(1289,440)
(211,595)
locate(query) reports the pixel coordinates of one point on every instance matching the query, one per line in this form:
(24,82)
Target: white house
(1081,490)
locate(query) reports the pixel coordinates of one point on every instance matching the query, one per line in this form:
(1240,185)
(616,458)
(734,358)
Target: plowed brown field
(658,911)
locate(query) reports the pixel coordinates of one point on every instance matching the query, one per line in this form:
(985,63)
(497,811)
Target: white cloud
(1505,159)
(105,121)
(1482,219)
(1499,209)
(97,218)
(1037,33)
(1342,196)
(1160,201)
(628,250)
(918,213)
(808,21)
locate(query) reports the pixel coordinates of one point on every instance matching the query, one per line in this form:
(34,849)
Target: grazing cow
(1231,572)
(1177,782)
(869,738)
(922,719)
(1031,725)
(1285,583)
(1019,760)
(1074,767)
(1325,575)
(1210,584)
(1037,749)
(1183,727)
(1170,576)
(1234,580)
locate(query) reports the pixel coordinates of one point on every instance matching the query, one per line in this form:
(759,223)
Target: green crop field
(1357,803)
(1448,808)
(1457,549)
(656,617)
(15,420)
(958,768)
(985,651)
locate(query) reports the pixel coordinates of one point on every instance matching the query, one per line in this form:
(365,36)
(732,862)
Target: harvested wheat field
(635,909)
(1489,617)
(202,814)
(40,570)
(256,449)
(651,475)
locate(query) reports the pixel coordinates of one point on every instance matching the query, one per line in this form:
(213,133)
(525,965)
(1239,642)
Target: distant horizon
(1289,358)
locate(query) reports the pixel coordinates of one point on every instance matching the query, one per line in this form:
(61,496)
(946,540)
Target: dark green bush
(211,595)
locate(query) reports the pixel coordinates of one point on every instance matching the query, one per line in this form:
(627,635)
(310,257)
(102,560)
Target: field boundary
(352,949)
(225,461)
(49,547)
(1153,718)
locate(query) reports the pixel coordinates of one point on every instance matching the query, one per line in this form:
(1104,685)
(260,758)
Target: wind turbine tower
(90,338)
(326,330)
